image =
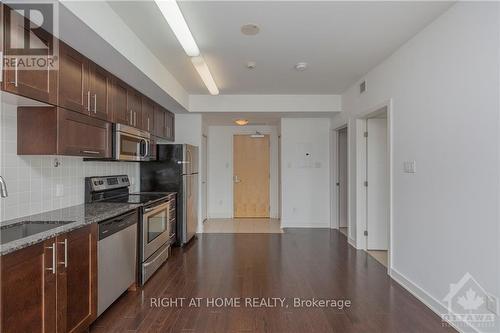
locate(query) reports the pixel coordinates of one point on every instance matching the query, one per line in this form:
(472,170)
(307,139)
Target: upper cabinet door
(80,135)
(119,103)
(100,91)
(170,126)
(159,117)
(134,107)
(74,92)
(39,81)
(147,114)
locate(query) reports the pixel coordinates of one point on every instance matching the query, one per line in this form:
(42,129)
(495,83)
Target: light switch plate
(59,190)
(410,166)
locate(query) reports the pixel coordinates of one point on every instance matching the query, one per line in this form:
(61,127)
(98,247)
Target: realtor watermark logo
(29,32)
(467,304)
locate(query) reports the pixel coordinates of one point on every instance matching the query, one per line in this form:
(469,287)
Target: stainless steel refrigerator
(176,170)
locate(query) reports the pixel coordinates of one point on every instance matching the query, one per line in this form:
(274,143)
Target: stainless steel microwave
(132,144)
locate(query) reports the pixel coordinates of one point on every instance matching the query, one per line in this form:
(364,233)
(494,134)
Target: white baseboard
(428,300)
(351,242)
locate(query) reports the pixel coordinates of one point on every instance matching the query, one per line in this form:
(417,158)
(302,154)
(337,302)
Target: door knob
(236,179)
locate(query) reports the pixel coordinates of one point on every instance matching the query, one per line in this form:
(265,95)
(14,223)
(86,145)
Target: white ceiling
(340,41)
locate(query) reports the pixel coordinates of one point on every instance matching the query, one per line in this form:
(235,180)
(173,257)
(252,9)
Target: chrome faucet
(3,188)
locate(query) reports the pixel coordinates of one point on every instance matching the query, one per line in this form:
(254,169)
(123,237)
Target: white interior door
(378,185)
(204,173)
(342,177)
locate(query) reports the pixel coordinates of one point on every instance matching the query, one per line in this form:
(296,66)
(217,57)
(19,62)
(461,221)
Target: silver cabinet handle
(95,103)
(15,73)
(135,118)
(88,100)
(131,120)
(65,262)
(53,268)
(148,123)
(93,152)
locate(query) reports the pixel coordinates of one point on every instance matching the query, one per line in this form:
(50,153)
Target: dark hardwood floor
(304,263)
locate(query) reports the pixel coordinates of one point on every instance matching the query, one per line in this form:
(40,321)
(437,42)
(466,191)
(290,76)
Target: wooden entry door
(251,176)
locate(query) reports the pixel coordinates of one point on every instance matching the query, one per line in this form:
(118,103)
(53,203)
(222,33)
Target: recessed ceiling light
(250,29)
(301,66)
(241,122)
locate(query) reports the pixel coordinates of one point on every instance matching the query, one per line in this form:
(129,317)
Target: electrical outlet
(492,304)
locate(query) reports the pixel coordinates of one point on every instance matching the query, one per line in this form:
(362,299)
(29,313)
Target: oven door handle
(157,257)
(157,208)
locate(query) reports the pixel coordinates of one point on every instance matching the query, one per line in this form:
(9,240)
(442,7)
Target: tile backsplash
(36,185)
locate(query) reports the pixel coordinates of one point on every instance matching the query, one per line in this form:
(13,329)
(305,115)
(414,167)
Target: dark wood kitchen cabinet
(56,131)
(100,92)
(159,117)
(164,123)
(51,286)
(169,126)
(134,107)
(22,75)
(74,93)
(77,279)
(119,102)
(28,289)
(148,109)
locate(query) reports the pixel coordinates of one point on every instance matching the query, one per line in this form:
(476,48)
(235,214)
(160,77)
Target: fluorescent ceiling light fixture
(241,122)
(202,69)
(175,20)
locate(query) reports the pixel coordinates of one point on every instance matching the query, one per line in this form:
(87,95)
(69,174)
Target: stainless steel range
(157,218)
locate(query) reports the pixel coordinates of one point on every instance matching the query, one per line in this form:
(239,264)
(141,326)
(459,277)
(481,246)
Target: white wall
(32,181)
(220,168)
(444,85)
(305,181)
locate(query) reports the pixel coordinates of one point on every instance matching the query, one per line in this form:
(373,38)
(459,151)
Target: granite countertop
(78,215)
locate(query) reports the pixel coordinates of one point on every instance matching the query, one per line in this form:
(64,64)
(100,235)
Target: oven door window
(157,224)
(132,146)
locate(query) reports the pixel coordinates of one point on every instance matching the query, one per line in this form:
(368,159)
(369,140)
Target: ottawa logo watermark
(467,304)
(29,32)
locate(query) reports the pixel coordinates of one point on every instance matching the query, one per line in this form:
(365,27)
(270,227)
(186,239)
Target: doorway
(251,176)
(377,186)
(342,181)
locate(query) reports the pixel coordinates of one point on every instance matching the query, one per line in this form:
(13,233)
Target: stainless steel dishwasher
(117,258)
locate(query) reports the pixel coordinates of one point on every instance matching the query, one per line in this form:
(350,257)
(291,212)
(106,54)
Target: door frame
(361,168)
(204,178)
(335,220)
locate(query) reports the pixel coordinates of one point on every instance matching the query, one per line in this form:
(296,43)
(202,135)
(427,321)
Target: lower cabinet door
(28,289)
(77,279)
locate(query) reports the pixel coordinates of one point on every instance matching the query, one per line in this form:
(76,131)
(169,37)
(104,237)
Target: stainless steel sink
(24,229)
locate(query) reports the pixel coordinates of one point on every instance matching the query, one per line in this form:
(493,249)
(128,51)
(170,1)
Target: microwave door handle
(146,148)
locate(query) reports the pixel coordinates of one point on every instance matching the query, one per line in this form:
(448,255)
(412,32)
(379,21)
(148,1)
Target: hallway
(300,263)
